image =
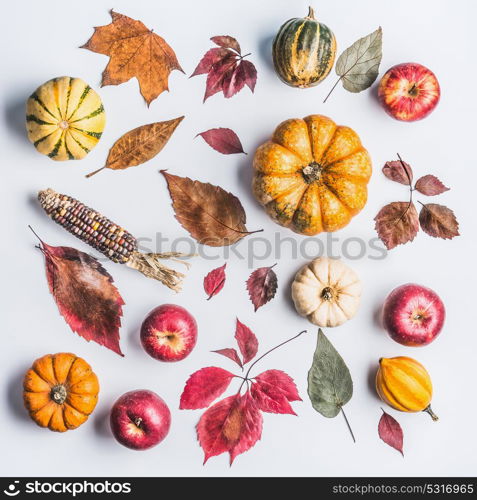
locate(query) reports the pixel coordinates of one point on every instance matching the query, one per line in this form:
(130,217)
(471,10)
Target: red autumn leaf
(269,399)
(248,73)
(231,354)
(203,387)
(211,57)
(214,281)
(430,185)
(438,221)
(398,171)
(223,140)
(262,286)
(247,341)
(232,425)
(390,432)
(281,381)
(85,295)
(227,42)
(226,69)
(397,223)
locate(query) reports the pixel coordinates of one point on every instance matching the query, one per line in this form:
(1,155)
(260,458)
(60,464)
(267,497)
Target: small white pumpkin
(327,292)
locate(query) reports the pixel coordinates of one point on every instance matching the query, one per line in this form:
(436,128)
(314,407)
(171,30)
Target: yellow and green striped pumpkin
(65,118)
(304,51)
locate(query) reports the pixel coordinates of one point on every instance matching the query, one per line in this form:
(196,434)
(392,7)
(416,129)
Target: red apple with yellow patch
(409,92)
(169,333)
(140,419)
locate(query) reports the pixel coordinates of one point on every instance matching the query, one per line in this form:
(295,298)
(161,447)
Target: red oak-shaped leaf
(227,42)
(398,171)
(247,341)
(397,223)
(214,281)
(281,381)
(223,140)
(85,295)
(390,432)
(226,69)
(232,425)
(262,286)
(231,354)
(430,185)
(203,387)
(438,221)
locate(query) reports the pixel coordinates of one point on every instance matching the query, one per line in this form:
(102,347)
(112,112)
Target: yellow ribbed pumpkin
(65,118)
(404,384)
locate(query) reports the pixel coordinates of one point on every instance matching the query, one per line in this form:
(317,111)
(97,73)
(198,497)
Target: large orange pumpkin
(312,175)
(60,391)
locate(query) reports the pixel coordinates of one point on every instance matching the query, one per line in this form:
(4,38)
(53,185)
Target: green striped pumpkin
(65,118)
(304,51)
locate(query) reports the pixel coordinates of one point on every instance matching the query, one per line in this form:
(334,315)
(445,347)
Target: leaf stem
(265,354)
(347,423)
(95,172)
(332,88)
(246,55)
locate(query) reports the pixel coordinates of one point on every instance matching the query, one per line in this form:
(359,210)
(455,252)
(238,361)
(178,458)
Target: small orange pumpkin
(312,175)
(60,391)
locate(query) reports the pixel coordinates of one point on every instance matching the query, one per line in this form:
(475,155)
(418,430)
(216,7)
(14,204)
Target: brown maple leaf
(134,51)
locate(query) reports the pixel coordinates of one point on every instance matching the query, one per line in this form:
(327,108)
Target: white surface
(40,41)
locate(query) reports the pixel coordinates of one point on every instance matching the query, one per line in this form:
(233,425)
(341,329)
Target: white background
(40,40)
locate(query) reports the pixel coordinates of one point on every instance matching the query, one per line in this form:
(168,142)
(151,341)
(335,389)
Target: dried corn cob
(108,238)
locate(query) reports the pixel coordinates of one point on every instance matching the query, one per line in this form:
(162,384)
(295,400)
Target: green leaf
(358,65)
(329,381)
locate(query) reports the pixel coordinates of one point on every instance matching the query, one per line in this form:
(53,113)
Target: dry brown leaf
(139,145)
(397,223)
(134,51)
(210,214)
(438,221)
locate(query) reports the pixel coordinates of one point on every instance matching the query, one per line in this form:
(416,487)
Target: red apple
(409,92)
(413,315)
(140,419)
(169,333)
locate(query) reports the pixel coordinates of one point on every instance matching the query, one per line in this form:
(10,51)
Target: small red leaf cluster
(234,424)
(227,70)
(223,140)
(261,286)
(399,222)
(390,432)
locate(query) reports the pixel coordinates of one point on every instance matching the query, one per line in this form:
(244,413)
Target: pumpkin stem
(431,413)
(327,293)
(311,172)
(311,13)
(58,394)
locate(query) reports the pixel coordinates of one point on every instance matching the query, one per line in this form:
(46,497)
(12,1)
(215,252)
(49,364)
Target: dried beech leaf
(203,387)
(262,286)
(438,221)
(390,432)
(232,425)
(227,42)
(430,185)
(358,65)
(329,380)
(214,281)
(247,341)
(134,51)
(85,295)
(139,145)
(231,354)
(223,140)
(397,223)
(398,171)
(210,214)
